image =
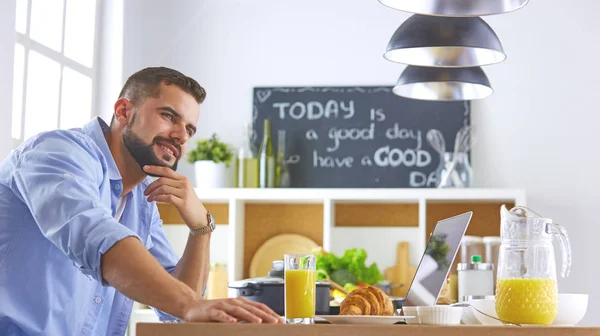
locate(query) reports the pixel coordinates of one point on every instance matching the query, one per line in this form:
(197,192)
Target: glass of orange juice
(300,283)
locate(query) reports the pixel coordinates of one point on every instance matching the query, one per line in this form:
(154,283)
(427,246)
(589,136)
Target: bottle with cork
(217,282)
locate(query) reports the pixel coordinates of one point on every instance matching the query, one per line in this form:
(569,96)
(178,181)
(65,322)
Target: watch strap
(210,227)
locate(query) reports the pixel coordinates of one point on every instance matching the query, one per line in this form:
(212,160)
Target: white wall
(7,54)
(109,56)
(535,132)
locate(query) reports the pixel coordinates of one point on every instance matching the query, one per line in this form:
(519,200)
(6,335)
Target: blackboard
(359,137)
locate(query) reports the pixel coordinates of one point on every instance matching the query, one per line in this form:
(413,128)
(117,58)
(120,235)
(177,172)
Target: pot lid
(260,281)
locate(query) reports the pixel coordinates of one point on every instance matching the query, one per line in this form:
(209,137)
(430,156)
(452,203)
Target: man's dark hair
(146,83)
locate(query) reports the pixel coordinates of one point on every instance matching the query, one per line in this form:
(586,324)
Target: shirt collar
(95,129)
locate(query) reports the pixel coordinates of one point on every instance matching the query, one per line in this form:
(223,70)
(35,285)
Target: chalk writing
(357,136)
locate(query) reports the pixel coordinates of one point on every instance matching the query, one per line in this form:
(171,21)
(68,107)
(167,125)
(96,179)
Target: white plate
(362,319)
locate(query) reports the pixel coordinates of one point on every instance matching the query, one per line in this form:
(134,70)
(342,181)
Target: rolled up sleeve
(59,176)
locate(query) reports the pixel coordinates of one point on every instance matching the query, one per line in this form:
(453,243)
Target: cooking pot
(386,287)
(270,291)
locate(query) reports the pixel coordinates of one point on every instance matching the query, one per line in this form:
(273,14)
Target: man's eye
(168,116)
(189,132)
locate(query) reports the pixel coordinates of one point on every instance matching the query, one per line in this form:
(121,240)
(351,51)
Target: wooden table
(221,329)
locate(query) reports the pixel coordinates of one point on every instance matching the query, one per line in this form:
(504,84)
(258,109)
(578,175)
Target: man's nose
(180,134)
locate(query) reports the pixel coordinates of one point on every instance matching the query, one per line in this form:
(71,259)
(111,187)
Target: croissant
(368,300)
(444,297)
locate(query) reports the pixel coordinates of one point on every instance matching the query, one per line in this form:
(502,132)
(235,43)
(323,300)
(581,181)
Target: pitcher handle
(563,238)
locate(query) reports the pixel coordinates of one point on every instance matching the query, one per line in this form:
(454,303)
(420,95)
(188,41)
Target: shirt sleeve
(59,176)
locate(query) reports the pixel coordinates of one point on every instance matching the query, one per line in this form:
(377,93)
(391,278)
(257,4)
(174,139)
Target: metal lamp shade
(445,42)
(443,84)
(458,8)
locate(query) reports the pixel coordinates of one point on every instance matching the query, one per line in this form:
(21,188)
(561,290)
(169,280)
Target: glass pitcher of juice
(526,289)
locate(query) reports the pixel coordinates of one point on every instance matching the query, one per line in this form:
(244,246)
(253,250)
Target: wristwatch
(205,229)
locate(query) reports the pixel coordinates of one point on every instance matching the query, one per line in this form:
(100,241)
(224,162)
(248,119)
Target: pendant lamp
(443,84)
(458,8)
(444,42)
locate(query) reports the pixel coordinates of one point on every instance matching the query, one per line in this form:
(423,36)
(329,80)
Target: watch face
(211,221)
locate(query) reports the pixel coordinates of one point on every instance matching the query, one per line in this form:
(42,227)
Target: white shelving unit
(335,239)
(238,198)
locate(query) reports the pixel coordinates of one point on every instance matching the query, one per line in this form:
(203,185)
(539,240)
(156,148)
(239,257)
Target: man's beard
(144,153)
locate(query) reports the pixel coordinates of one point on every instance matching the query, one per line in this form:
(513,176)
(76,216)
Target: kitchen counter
(220,329)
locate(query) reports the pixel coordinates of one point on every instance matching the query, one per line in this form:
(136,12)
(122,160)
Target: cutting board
(389,275)
(402,260)
(401,273)
(275,248)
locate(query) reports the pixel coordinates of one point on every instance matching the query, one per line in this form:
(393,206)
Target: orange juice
(300,293)
(527,301)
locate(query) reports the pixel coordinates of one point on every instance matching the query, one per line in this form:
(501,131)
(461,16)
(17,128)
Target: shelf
(485,220)
(388,214)
(265,220)
(340,218)
(297,195)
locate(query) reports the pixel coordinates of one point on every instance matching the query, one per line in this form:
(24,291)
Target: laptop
(436,261)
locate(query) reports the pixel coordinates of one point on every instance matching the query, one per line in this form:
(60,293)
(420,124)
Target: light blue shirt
(58,196)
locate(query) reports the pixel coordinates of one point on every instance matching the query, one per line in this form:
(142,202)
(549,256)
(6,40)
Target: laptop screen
(436,261)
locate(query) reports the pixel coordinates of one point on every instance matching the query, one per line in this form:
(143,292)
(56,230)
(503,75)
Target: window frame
(25,40)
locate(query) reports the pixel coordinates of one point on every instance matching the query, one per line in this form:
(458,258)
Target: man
(80,232)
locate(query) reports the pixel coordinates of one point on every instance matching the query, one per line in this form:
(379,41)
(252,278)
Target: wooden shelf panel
(376,215)
(266,220)
(270,212)
(485,221)
(169,214)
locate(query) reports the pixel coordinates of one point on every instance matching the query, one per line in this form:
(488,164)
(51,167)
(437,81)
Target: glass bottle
(282,174)
(246,163)
(454,172)
(266,175)
(217,282)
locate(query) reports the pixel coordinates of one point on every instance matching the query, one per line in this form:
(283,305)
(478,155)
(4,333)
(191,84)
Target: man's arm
(132,270)
(176,189)
(140,277)
(193,267)
(58,177)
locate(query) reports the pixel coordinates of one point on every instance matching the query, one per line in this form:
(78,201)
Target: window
(54,65)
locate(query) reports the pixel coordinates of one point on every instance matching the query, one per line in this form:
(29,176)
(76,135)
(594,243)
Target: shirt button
(98,299)
(117,186)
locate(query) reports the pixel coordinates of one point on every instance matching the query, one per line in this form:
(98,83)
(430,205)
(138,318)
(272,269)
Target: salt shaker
(475,278)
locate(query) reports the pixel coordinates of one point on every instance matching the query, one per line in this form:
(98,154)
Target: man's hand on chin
(174,188)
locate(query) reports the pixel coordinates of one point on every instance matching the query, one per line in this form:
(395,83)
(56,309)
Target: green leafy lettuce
(353,260)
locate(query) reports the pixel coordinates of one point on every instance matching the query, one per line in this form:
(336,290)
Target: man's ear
(122,111)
